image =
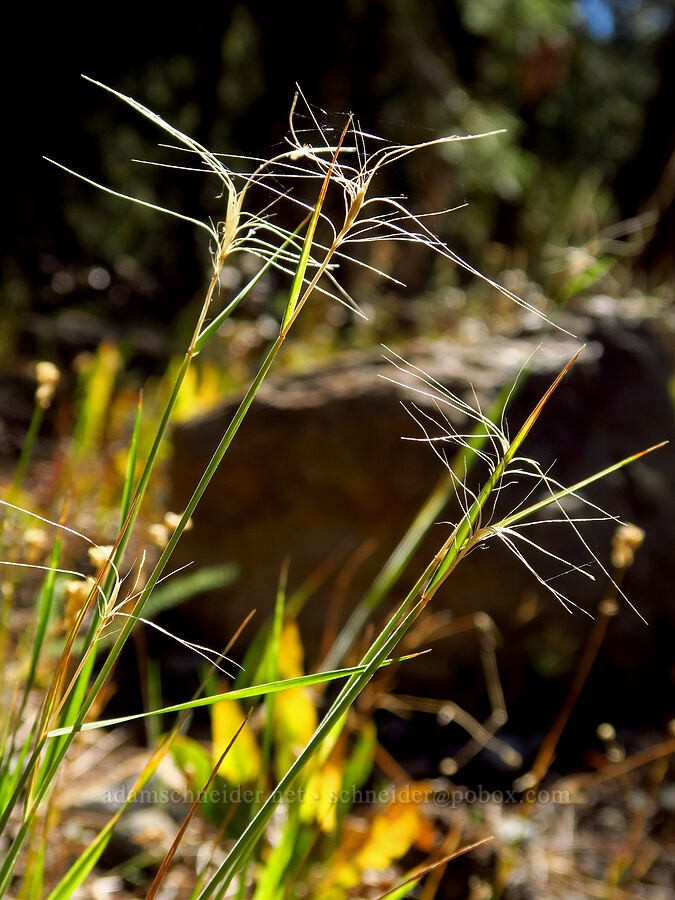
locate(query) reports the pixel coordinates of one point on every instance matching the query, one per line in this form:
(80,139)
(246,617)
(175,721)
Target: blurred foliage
(573,83)
(332,833)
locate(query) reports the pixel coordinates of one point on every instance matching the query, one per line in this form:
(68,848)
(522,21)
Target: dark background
(584,90)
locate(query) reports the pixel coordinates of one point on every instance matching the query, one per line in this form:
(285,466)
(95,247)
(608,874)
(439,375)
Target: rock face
(319,468)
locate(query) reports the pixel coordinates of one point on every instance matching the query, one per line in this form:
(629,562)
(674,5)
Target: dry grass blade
(154,887)
(420,873)
(618,769)
(238,632)
(536,412)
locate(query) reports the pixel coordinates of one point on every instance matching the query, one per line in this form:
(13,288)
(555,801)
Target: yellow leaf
(243,763)
(294,716)
(295,721)
(388,837)
(97,382)
(322,792)
(392,834)
(202,389)
(291,655)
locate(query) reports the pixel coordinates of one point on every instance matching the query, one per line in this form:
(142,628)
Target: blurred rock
(319,467)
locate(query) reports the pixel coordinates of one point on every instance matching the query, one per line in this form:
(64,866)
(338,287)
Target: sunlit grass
(295,740)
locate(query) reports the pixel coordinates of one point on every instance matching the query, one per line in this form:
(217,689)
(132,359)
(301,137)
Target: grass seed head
(48,377)
(158,534)
(627,539)
(172,521)
(99,556)
(35,543)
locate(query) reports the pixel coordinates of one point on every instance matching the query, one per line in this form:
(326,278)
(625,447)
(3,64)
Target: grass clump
(301,755)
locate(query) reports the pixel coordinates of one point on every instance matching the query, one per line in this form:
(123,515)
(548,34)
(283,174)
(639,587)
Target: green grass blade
(302,266)
(88,859)
(457,543)
(573,489)
(32,889)
(272,665)
(153,680)
(7,869)
(127,488)
(45,601)
(256,690)
(213,326)
(585,279)
(294,296)
(76,711)
(6,753)
(388,639)
(84,864)
(256,649)
(208,474)
(26,450)
(268,887)
(397,562)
